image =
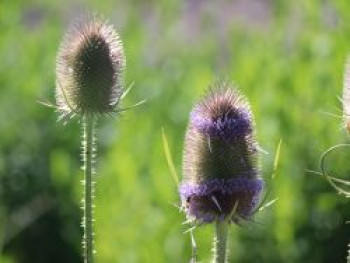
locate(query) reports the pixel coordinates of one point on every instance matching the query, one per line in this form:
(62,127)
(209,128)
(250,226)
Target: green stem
(88,144)
(220,241)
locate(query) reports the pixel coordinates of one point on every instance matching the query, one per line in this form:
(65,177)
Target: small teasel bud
(346,95)
(221,177)
(89,69)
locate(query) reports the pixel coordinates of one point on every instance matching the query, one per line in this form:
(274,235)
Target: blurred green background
(286,56)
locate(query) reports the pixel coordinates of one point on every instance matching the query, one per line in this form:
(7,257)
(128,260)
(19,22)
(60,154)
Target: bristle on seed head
(223,113)
(89,70)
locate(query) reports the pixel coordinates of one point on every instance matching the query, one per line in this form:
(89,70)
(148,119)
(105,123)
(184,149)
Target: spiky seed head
(220,158)
(89,69)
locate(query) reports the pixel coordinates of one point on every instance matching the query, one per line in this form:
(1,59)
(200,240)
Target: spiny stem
(88,144)
(220,241)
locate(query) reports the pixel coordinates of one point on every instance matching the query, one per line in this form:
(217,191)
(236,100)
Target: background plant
(286,56)
(340,185)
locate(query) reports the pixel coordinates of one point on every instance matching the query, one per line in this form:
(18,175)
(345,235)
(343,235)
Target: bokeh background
(286,56)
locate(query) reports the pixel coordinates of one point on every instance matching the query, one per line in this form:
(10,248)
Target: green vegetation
(286,56)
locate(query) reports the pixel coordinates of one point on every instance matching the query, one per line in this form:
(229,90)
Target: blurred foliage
(286,56)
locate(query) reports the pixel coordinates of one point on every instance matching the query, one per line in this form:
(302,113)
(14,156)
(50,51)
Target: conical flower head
(89,69)
(220,158)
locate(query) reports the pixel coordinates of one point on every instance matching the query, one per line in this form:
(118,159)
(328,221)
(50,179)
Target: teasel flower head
(220,166)
(89,70)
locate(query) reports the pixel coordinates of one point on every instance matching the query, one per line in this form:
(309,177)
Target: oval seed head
(221,176)
(89,70)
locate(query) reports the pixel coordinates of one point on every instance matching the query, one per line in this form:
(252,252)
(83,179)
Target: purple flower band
(199,203)
(225,126)
(229,187)
(195,210)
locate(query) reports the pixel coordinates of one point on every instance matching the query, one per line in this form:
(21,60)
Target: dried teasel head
(89,70)
(221,177)
(346,95)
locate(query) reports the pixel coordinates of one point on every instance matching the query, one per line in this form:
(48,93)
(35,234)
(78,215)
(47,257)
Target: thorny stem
(220,241)
(88,144)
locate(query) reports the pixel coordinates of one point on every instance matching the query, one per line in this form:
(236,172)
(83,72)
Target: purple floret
(215,199)
(226,126)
